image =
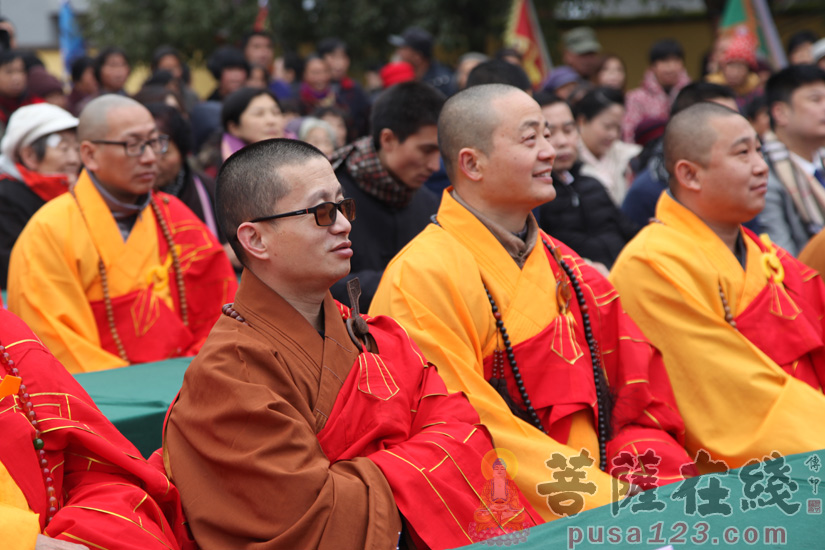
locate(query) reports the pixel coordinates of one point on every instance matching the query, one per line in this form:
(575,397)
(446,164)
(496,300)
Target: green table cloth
(136,398)
(775,504)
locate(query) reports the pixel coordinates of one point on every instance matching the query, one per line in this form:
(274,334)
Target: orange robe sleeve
(813,254)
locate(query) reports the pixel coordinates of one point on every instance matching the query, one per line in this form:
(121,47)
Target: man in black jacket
(384,173)
(582,215)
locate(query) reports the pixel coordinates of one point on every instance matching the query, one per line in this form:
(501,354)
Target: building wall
(36,20)
(632,40)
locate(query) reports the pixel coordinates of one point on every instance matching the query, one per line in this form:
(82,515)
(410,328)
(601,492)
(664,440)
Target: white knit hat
(31,122)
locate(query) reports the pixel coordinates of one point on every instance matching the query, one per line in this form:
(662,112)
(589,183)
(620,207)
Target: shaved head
(690,136)
(251,181)
(468,120)
(93,120)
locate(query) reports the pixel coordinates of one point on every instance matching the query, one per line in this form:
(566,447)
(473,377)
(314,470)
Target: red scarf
(47,186)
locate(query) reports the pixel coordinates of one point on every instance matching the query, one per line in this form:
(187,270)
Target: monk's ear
(252,242)
(88,155)
(471,163)
(687,174)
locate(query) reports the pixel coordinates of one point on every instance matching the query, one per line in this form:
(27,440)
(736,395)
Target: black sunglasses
(325,213)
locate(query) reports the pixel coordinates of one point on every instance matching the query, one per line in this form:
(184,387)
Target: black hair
(226,57)
(236,103)
(799,38)
(782,84)
(329,45)
(597,100)
(104,54)
(159,78)
(697,92)
(250,183)
(157,93)
(321,112)
(291,105)
(581,89)
(7,56)
(171,122)
(311,57)
(294,62)
(248,35)
(666,49)
(79,66)
(161,52)
(30,59)
(545,98)
(404,109)
(501,53)
(498,71)
(754,106)
(39,147)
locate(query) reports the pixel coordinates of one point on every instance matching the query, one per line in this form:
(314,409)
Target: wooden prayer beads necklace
(28,409)
(728,315)
(164,228)
(595,356)
(104,281)
(229,311)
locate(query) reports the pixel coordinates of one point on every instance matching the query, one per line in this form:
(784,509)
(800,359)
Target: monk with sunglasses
(302,423)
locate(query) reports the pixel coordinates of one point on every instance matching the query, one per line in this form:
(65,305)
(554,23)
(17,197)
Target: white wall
(36,20)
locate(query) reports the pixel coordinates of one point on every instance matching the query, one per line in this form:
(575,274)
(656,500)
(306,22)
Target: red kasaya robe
(108,495)
(395,410)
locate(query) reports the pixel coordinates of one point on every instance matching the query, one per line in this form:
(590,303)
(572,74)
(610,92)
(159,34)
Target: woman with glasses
(40,160)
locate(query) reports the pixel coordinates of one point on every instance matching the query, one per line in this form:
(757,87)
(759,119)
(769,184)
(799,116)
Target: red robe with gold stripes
(108,495)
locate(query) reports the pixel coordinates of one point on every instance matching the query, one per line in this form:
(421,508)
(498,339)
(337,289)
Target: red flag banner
(261,19)
(524,34)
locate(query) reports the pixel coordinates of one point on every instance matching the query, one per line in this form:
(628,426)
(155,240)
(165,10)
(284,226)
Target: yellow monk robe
(55,282)
(743,392)
(19,526)
(435,289)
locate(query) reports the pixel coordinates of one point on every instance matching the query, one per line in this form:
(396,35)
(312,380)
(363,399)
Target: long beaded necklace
(28,408)
(104,279)
(728,315)
(595,356)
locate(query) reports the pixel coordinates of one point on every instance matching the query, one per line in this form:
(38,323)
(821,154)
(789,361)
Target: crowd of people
(409,301)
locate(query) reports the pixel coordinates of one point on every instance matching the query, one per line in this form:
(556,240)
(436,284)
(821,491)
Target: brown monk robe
(281,438)
(240,443)
(293,431)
